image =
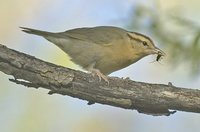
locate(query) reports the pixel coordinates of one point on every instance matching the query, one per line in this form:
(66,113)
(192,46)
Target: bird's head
(143,45)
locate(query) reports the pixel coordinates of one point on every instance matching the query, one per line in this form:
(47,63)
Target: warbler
(101,50)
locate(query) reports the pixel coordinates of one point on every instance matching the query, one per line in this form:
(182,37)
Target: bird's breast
(116,58)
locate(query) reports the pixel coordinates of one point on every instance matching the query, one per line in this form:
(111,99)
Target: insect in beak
(159,53)
(158,57)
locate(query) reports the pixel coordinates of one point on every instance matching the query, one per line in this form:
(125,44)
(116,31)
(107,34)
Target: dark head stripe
(143,36)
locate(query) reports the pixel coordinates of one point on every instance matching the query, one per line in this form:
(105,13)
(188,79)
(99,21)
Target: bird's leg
(97,72)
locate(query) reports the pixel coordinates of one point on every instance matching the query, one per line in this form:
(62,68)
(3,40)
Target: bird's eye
(144,43)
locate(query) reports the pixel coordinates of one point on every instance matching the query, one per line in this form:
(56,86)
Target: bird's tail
(36,32)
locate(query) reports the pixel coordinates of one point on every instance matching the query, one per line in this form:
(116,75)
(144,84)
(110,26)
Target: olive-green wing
(99,35)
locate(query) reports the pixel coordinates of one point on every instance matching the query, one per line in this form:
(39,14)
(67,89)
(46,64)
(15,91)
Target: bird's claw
(99,75)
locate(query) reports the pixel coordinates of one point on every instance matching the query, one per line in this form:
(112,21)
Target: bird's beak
(159,52)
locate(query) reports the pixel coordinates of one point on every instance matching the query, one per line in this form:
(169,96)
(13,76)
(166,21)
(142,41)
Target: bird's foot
(99,75)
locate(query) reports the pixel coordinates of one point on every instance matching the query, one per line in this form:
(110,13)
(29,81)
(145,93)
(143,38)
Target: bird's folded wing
(98,35)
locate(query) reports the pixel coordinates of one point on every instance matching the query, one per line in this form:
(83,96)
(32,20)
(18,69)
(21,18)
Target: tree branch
(154,99)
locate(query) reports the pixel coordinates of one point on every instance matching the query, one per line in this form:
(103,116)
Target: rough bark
(154,99)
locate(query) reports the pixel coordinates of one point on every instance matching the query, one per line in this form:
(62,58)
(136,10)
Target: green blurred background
(174,25)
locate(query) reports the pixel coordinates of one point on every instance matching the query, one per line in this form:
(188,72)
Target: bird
(101,50)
